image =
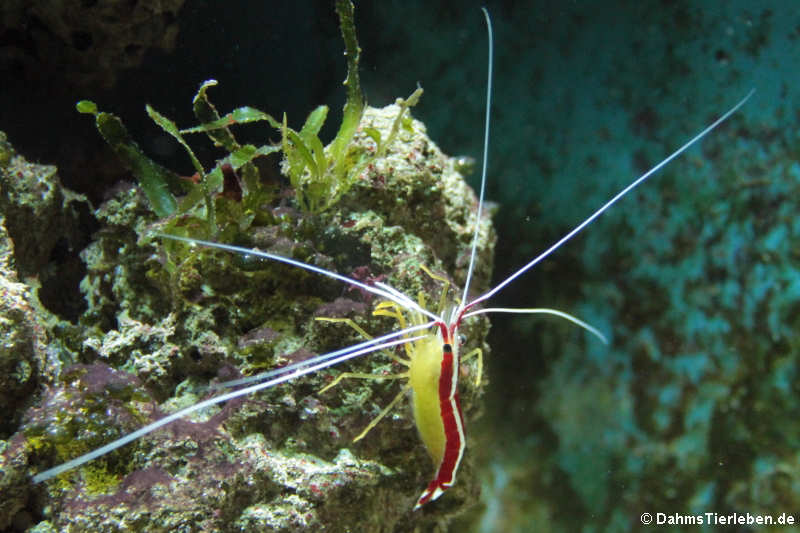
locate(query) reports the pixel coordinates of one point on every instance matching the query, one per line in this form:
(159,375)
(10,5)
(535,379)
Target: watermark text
(717,519)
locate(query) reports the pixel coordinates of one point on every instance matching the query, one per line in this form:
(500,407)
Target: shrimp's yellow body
(433,368)
(433,363)
(424,374)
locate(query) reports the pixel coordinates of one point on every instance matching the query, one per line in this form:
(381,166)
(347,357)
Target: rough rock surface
(162,320)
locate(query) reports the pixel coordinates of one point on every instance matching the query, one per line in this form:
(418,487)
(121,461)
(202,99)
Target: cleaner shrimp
(430,338)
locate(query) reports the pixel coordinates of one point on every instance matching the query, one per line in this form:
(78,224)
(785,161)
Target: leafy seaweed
(411,101)
(354,107)
(320,175)
(168,126)
(155,180)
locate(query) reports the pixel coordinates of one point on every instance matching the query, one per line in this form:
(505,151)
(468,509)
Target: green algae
(154,179)
(319,175)
(76,422)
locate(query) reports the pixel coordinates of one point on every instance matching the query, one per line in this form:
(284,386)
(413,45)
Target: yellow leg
(390,309)
(382,309)
(347,321)
(443,297)
(359,375)
(364,334)
(476,352)
(383,413)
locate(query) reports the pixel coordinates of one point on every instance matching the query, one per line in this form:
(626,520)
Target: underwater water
(692,408)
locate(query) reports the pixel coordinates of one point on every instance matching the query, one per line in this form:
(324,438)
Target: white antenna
(611,202)
(286,374)
(383,290)
(485,157)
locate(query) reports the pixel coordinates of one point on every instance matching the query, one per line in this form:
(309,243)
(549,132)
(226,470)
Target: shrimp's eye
(462,340)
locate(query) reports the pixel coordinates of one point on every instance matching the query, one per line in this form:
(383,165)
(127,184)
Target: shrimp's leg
(445,285)
(383,413)
(359,375)
(386,409)
(364,334)
(473,353)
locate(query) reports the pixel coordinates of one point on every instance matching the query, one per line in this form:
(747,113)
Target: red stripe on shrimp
(453,422)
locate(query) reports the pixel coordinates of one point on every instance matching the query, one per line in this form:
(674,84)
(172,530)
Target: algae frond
(154,179)
(319,175)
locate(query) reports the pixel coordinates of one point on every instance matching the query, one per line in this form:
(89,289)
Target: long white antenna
(611,202)
(485,156)
(319,358)
(404,301)
(543,311)
(130,437)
